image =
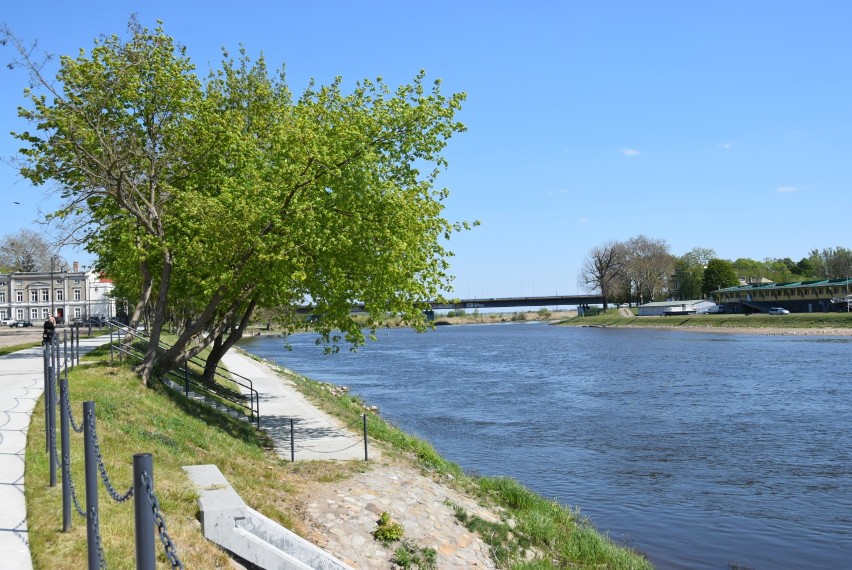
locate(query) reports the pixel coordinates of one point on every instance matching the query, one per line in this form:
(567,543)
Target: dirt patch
(13,336)
(341,517)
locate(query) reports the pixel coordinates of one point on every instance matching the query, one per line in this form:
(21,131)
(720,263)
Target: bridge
(503,302)
(495,303)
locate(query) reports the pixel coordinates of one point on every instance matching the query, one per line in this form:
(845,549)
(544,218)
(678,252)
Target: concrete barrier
(233,525)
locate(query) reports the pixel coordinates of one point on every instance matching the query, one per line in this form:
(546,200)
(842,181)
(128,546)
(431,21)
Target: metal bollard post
(66,454)
(48,372)
(50,398)
(292,443)
(110,343)
(78,344)
(143,511)
(91,461)
(186,380)
(365,437)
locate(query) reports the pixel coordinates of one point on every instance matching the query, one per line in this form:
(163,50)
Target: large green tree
(719,274)
(214,198)
(689,273)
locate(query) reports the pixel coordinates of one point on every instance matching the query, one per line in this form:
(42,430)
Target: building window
(45,295)
(19,295)
(34,314)
(34,296)
(59,296)
(45,313)
(77,312)
(76,294)
(76,282)
(2,296)
(3,313)
(20,313)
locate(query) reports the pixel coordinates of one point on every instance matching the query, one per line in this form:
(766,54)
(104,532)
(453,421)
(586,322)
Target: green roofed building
(818,296)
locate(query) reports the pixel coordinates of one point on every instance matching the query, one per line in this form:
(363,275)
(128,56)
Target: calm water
(701,450)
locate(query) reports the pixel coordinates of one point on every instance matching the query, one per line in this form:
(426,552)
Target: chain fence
(58,358)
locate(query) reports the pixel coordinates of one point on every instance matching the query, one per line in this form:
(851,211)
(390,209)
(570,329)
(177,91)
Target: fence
(58,358)
(324,451)
(232,399)
(182,379)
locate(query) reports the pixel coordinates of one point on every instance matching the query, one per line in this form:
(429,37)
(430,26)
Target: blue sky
(725,125)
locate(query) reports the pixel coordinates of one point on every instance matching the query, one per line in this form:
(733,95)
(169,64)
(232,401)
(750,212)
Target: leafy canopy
(213,198)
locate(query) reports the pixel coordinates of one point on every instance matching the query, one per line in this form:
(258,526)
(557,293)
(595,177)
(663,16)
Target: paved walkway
(316,435)
(21,384)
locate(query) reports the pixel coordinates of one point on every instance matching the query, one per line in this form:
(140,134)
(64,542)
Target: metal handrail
(182,373)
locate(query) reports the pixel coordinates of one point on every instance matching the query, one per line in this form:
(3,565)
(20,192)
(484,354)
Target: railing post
(364,416)
(50,419)
(91,486)
(186,380)
(292,443)
(110,343)
(66,453)
(78,344)
(48,374)
(144,513)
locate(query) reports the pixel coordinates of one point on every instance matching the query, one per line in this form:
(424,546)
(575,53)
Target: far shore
(778,331)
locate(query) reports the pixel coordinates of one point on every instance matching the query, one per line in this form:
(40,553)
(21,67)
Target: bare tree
(649,266)
(27,251)
(602,267)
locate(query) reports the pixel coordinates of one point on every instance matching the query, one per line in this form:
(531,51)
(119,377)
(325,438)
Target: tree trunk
(222,346)
(146,369)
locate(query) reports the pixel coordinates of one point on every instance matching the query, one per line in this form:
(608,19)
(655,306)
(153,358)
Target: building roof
(791,285)
(675,303)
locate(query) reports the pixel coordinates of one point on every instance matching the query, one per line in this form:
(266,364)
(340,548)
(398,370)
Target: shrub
(388,530)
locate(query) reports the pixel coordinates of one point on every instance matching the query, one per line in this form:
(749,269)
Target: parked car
(778,311)
(6,322)
(21,324)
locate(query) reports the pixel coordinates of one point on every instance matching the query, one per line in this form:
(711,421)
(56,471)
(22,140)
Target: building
(797,297)
(99,296)
(665,308)
(67,295)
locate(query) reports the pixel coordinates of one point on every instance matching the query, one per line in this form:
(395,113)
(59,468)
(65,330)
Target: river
(699,450)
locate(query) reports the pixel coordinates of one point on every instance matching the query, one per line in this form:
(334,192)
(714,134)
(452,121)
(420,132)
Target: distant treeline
(643,269)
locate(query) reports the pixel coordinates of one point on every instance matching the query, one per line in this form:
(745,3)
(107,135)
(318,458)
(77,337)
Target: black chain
(97,528)
(168,545)
(65,460)
(102,468)
(71,416)
(308,448)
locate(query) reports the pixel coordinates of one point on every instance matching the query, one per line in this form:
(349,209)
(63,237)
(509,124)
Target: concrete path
(21,384)
(316,434)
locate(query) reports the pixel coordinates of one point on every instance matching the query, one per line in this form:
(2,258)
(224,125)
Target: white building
(661,308)
(67,295)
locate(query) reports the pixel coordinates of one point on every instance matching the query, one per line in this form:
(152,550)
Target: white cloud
(786,189)
(726,146)
(629,152)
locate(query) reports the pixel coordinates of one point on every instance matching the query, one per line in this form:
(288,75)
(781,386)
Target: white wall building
(67,295)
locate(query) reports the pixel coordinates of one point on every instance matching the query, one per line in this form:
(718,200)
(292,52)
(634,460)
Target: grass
(133,419)
(17,347)
(759,321)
